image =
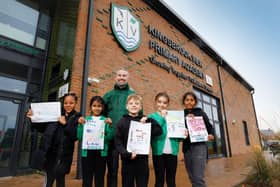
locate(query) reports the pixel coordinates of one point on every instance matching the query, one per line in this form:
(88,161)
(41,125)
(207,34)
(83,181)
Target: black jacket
(121,134)
(57,144)
(196,112)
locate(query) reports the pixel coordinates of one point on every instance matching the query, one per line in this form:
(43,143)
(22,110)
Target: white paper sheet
(93,134)
(175,124)
(45,112)
(197,129)
(139,138)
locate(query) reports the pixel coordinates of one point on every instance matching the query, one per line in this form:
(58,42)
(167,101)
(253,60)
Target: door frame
(20,99)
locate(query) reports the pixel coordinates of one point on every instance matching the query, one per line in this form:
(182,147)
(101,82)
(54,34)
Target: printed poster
(175,124)
(45,112)
(197,129)
(93,134)
(139,137)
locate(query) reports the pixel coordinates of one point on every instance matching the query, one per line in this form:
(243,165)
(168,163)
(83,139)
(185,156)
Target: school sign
(126,28)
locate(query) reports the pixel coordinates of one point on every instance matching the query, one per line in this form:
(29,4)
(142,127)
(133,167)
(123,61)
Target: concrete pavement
(220,172)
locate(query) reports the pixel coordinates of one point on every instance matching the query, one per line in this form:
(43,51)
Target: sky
(245,33)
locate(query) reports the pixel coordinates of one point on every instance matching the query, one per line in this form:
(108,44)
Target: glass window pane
(206,98)
(12,85)
(18,21)
(217,130)
(44,22)
(42,32)
(214,101)
(8,119)
(207,109)
(215,113)
(199,105)
(26,144)
(41,43)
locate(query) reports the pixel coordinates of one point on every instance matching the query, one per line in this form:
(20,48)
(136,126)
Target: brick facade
(107,56)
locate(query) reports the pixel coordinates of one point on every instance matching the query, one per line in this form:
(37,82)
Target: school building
(48,48)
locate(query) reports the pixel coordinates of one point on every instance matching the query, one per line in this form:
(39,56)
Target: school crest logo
(126,28)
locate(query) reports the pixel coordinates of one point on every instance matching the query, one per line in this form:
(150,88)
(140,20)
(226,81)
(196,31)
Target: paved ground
(221,172)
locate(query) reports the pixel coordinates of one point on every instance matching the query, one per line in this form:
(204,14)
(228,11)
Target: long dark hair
(191,94)
(98,99)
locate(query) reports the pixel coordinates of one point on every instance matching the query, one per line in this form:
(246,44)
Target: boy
(134,167)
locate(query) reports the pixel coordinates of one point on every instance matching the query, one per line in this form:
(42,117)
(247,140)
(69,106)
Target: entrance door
(9,110)
(211,107)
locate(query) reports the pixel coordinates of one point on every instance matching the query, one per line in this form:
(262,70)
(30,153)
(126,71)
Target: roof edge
(173,18)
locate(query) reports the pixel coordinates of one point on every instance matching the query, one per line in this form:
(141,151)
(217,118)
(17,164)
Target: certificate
(45,112)
(93,134)
(175,124)
(197,129)
(139,136)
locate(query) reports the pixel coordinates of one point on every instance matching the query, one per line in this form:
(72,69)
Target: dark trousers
(195,163)
(112,165)
(135,172)
(165,167)
(50,177)
(93,165)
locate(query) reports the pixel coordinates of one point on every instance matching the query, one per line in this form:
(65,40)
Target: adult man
(115,108)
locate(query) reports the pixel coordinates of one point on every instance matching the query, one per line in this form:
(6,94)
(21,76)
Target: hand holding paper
(197,129)
(45,112)
(176,124)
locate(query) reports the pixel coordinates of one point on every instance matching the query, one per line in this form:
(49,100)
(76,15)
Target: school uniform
(94,161)
(136,170)
(195,154)
(165,151)
(55,152)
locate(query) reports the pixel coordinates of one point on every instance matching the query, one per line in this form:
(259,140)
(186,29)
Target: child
(134,167)
(94,161)
(165,150)
(195,154)
(57,143)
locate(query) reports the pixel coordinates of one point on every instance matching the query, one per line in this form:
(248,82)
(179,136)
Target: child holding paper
(195,154)
(94,158)
(165,149)
(57,143)
(134,166)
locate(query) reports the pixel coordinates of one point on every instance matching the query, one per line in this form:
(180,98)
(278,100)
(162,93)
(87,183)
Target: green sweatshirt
(115,103)
(159,141)
(107,137)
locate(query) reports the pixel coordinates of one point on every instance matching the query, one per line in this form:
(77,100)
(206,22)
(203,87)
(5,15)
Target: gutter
(85,78)
(224,109)
(257,124)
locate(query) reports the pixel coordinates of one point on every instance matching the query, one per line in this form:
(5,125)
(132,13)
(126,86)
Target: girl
(94,161)
(195,154)
(57,143)
(165,150)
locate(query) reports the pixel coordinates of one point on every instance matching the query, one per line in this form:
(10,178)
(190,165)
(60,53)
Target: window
(245,128)
(42,32)
(18,22)
(13,85)
(210,106)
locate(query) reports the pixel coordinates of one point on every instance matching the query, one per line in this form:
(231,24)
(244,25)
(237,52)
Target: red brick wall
(239,107)
(106,56)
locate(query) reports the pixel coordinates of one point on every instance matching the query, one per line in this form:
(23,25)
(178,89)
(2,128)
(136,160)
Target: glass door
(211,107)
(9,110)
